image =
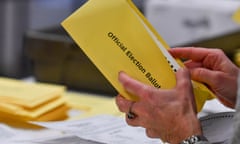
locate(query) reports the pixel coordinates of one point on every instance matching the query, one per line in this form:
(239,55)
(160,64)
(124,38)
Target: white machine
(185,21)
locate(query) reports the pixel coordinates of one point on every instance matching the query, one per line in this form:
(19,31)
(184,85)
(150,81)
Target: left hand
(168,114)
(213,68)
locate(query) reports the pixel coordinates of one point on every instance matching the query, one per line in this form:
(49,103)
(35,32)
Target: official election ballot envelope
(117,37)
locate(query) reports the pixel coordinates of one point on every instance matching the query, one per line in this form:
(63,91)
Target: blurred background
(33,44)
(21,16)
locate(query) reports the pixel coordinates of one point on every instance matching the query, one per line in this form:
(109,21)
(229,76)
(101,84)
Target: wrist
(194,139)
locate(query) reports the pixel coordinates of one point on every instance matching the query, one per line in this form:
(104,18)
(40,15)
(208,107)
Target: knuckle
(150,133)
(217,78)
(121,104)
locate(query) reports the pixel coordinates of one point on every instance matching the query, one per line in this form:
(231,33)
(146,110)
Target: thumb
(183,79)
(184,84)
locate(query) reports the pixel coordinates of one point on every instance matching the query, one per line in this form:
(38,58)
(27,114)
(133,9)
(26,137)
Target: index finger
(193,53)
(133,86)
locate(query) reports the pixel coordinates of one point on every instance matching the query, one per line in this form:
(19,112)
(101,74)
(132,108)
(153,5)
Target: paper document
(64,139)
(218,128)
(105,129)
(117,37)
(10,135)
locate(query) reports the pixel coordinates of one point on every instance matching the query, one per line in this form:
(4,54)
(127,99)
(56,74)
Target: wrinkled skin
(212,67)
(170,114)
(164,113)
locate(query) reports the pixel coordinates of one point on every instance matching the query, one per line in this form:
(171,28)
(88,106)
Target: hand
(212,67)
(169,114)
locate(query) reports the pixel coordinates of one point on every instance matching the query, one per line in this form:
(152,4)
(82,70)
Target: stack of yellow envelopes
(31,101)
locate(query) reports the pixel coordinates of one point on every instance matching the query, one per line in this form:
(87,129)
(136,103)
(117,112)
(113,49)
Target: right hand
(213,68)
(168,114)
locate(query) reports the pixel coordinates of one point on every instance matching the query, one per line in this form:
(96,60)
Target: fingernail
(119,76)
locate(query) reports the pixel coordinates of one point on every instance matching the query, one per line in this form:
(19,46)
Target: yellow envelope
(117,37)
(91,104)
(28,95)
(236,16)
(55,114)
(21,113)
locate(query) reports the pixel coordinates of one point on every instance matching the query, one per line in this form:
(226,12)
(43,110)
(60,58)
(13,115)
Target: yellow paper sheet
(55,114)
(236,16)
(91,104)
(28,95)
(117,37)
(30,114)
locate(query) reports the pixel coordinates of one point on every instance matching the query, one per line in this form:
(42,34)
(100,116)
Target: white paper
(65,139)
(107,129)
(218,128)
(13,135)
(104,129)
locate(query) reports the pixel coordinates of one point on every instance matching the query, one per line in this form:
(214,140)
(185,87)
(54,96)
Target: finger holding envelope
(163,112)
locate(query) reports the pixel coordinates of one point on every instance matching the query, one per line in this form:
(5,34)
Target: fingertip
(183,71)
(183,76)
(124,78)
(120,75)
